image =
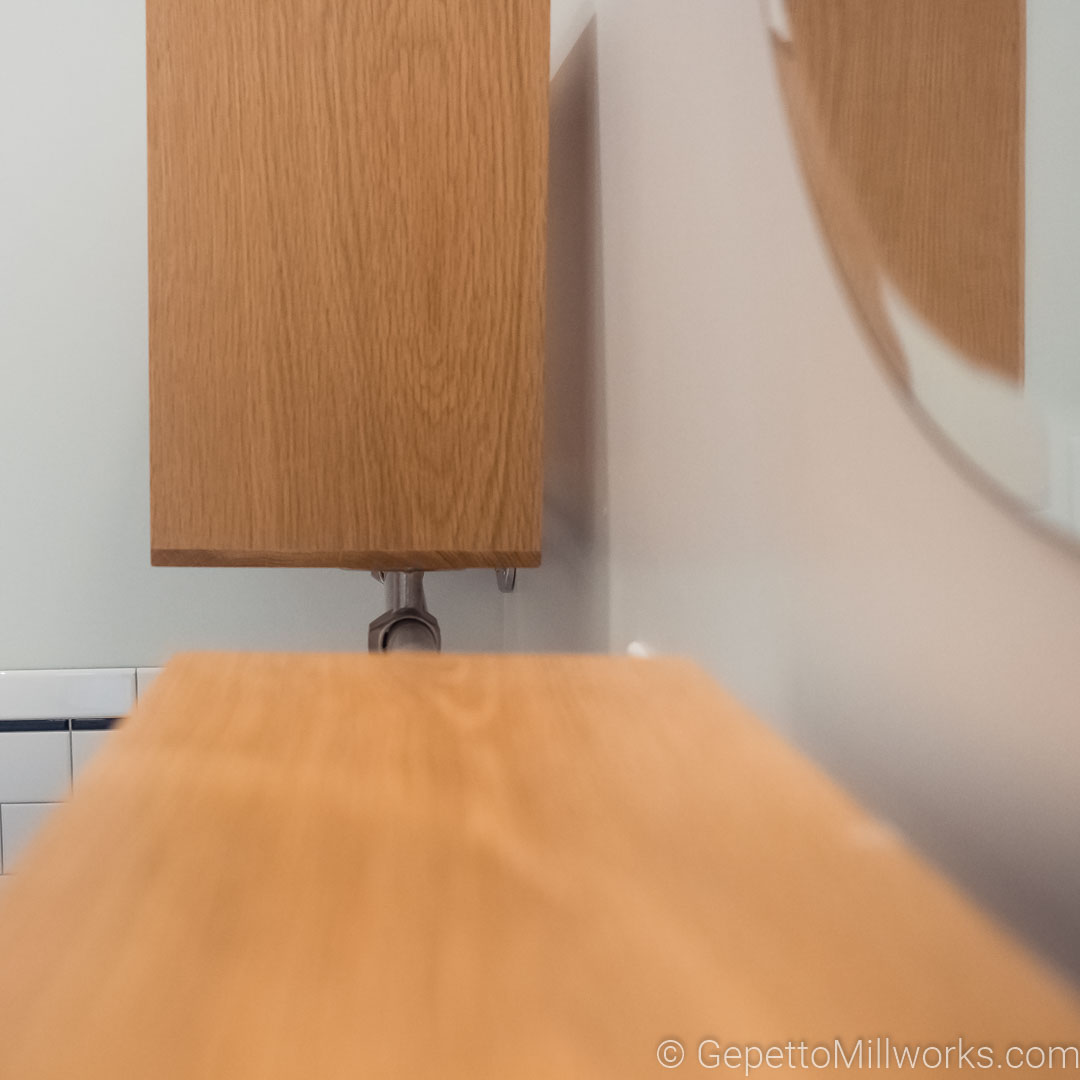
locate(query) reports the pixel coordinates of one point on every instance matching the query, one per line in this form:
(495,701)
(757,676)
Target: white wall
(1052,158)
(775,512)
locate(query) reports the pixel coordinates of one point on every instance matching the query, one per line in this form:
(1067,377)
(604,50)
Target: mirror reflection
(940,143)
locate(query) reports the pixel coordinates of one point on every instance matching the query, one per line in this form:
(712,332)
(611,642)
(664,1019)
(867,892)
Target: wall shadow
(565,605)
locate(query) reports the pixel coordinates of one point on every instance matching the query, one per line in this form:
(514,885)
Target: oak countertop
(353,866)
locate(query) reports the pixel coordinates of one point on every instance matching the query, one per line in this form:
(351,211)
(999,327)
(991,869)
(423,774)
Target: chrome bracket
(507,579)
(407,626)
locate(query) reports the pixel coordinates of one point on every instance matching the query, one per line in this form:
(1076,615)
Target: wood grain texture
(347,231)
(407,867)
(910,118)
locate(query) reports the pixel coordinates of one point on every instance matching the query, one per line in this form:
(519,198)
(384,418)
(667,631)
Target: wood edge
(348,560)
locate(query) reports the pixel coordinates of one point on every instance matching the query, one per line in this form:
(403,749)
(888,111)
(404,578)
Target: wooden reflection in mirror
(909,116)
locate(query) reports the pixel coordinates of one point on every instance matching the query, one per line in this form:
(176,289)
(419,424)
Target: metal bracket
(408,626)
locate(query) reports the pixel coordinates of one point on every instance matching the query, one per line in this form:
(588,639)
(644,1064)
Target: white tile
(84,745)
(35,766)
(18,826)
(144,676)
(44,695)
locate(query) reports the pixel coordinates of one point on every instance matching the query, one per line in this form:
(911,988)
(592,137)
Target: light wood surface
(910,120)
(347,231)
(406,867)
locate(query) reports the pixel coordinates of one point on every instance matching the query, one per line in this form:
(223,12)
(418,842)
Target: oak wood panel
(347,229)
(406,867)
(918,106)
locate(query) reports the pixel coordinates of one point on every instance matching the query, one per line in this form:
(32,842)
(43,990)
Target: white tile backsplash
(144,676)
(51,725)
(43,695)
(18,826)
(84,745)
(35,766)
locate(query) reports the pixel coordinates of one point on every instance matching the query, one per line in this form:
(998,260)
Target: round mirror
(940,142)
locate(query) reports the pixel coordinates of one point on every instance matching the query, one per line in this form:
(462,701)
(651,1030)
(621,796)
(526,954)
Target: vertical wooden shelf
(347,227)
